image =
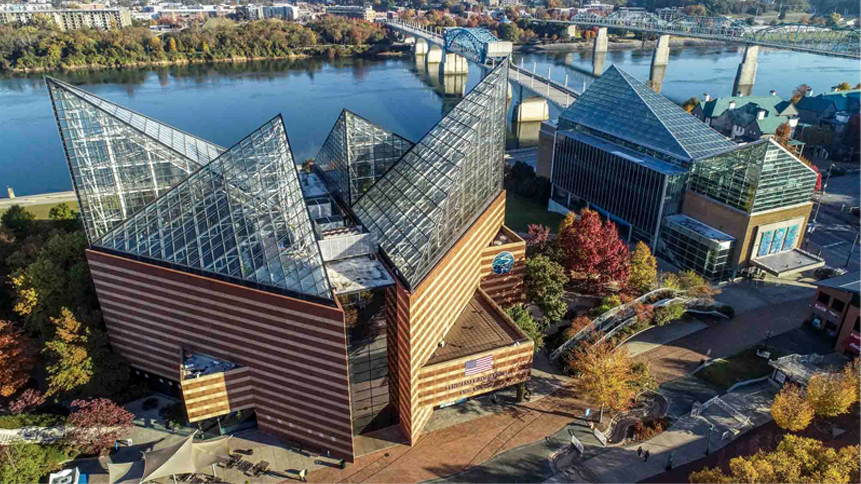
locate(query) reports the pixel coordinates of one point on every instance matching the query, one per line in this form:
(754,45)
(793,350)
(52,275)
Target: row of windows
(624,188)
(689,253)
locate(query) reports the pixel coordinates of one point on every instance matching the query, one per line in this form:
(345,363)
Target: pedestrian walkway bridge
(831,41)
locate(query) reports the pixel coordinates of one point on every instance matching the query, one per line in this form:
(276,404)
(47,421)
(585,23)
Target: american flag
(480,365)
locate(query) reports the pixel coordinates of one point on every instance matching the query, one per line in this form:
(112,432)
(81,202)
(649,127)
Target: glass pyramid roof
(623,107)
(356,154)
(422,205)
(241,217)
(120,160)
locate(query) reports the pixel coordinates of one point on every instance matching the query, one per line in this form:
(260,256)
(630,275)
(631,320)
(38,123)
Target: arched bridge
(481,46)
(840,42)
(476,44)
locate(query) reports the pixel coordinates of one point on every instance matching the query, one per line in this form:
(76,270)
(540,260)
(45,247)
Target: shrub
(727,311)
(668,313)
(650,427)
(608,303)
(31,420)
(174,415)
(150,403)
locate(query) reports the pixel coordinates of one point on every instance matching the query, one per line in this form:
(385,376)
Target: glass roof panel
(623,107)
(120,160)
(246,206)
(431,195)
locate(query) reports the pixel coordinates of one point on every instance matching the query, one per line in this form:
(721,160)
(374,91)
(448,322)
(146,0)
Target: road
(42,199)
(832,231)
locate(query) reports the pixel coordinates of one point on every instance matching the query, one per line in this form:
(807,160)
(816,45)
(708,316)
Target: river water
(224,102)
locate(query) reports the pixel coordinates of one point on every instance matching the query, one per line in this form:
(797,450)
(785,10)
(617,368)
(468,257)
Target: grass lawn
(521,211)
(742,366)
(41,211)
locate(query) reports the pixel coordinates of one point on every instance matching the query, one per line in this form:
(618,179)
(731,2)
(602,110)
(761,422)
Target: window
(838,305)
(823,298)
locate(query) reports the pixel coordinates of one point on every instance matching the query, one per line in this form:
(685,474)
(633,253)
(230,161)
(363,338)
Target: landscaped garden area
(724,373)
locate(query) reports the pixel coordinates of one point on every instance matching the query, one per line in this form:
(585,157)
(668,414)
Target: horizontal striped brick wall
(295,351)
(505,289)
(426,314)
(447,381)
(212,395)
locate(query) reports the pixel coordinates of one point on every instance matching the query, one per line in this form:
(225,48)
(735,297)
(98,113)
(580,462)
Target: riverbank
(614,45)
(318,51)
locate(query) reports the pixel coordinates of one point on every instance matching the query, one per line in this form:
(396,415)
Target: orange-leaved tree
(603,375)
(17,358)
(791,410)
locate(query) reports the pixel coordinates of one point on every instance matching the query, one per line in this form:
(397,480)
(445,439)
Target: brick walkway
(462,446)
(677,359)
(457,448)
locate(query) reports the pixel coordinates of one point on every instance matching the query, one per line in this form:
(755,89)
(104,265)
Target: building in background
(349,11)
(835,311)
(71,19)
(320,305)
(746,118)
(698,199)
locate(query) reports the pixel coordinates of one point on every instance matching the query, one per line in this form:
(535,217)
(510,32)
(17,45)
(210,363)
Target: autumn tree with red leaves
(96,424)
(594,253)
(17,358)
(30,400)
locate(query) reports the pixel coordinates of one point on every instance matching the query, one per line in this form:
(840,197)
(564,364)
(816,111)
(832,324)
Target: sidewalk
(686,439)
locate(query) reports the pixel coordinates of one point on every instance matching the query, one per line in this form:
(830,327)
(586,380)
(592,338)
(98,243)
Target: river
(224,102)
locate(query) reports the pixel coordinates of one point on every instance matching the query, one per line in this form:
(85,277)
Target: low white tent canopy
(184,457)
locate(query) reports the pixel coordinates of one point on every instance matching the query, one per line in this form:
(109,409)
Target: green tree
(511,32)
(644,269)
(520,315)
(18,220)
(545,286)
(71,364)
(58,277)
(64,217)
(28,463)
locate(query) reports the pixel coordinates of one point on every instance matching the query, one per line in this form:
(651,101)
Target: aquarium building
(320,305)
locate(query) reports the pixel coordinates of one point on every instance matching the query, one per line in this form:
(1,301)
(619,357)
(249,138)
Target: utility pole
(852,249)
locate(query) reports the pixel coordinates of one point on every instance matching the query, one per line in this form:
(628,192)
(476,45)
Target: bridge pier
(599,52)
(454,84)
(746,75)
(409,39)
(454,64)
(420,47)
(533,109)
(660,61)
(434,55)
(571,31)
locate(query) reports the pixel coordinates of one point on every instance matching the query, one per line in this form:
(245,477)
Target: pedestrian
(670,461)
(303,475)
(640,451)
(646,456)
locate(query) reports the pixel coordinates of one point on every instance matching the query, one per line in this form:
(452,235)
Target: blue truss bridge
(453,47)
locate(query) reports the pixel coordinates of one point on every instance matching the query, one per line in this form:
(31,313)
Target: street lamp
(709,442)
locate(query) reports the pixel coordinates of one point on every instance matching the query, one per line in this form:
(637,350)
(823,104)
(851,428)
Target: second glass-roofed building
(697,198)
(317,305)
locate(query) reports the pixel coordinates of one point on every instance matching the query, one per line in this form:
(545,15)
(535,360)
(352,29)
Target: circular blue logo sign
(503,262)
